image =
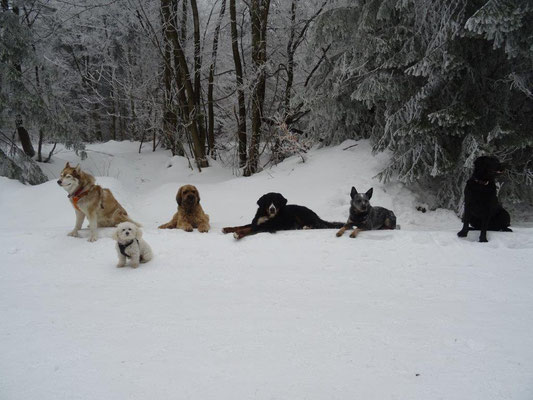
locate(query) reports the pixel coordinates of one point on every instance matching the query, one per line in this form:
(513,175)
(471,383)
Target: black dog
(365,217)
(274,215)
(483,211)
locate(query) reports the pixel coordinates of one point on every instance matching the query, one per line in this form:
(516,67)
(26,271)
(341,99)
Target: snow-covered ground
(410,314)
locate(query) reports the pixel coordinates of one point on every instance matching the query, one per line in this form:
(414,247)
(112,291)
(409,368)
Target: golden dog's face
(188,196)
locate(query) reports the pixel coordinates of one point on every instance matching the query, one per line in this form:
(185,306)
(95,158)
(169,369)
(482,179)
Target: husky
(365,217)
(91,201)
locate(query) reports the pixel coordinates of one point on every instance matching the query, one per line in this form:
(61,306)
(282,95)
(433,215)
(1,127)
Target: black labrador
(483,211)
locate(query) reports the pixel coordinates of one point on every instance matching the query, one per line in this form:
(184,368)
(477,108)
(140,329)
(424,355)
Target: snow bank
(411,314)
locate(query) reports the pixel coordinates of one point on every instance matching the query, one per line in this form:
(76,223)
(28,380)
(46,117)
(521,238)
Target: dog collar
(76,196)
(123,247)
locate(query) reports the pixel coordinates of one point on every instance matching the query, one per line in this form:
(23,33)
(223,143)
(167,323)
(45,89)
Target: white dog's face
(127,231)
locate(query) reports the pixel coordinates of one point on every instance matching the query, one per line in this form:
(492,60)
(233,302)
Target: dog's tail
(124,217)
(330,225)
(134,222)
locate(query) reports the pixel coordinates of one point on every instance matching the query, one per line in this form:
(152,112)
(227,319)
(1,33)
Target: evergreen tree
(437,83)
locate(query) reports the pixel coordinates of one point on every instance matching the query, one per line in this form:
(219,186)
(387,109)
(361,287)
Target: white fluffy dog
(130,244)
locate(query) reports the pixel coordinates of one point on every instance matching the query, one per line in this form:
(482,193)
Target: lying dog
(91,201)
(483,211)
(365,217)
(274,215)
(190,214)
(130,244)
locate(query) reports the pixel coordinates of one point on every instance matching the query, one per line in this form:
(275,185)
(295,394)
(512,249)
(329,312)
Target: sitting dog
(365,217)
(483,211)
(91,201)
(130,244)
(190,214)
(274,215)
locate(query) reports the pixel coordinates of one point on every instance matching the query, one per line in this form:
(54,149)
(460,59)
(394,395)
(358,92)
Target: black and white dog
(483,211)
(365,217)
(274,214)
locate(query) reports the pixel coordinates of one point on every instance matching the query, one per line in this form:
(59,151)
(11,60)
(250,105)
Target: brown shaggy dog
(91,201)
(190,214)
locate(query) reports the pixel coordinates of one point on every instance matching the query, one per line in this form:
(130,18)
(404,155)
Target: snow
(415,313)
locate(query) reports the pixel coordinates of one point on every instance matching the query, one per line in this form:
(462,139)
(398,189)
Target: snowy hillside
(410,314)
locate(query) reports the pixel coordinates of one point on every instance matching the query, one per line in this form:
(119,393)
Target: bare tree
(259,16)
(210,87)
(241,118)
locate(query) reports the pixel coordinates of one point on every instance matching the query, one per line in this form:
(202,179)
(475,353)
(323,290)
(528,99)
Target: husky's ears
(353,192)
(138,234)
(67,165)
(368,194)
(115,235)
(78,168)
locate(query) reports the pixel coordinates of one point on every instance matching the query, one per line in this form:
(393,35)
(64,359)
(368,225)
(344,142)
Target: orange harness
(75,197)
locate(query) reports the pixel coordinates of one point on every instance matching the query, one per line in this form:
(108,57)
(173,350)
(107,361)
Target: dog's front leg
(484,227)
(121,260)
(466,223)
(341,231)
(355,232)
(80,217)
(135,258)
(93,227)
(243,231)
(203,228)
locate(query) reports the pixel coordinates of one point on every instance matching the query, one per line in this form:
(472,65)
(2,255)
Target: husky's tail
(133,222)
(124,217)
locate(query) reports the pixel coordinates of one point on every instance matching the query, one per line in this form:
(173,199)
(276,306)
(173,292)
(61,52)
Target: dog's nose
(59,182)
(127,233)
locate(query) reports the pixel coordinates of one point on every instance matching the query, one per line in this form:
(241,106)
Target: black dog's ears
(368,194)
(261,200)
(353,192)
(278,199)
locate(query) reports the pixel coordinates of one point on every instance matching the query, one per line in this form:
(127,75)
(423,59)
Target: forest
(252,82)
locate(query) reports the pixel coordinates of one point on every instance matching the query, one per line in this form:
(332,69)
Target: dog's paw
(462,233)
(483,240)
(73,234)
(203,229)
(237,236)
(339,233)
(92,238)
(134,265)
(353,235)
(120,264)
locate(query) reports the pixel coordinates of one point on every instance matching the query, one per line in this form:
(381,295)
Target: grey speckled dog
(365,217)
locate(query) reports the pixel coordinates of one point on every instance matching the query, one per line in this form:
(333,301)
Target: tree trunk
(25,139)
(259,16)
(185,88)
(210,87)
(197,74)
(40,145)
(241,132)
(290,59)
